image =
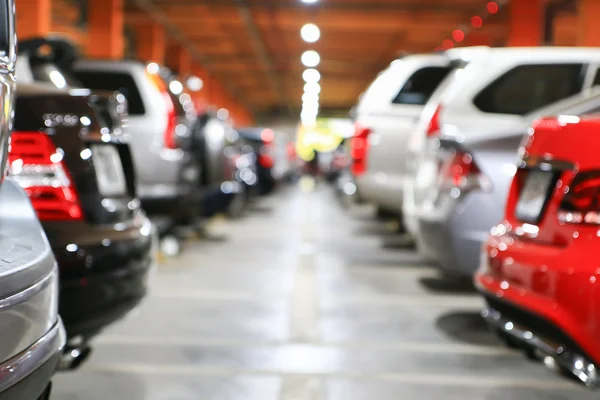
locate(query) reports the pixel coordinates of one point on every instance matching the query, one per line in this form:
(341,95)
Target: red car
(540,271)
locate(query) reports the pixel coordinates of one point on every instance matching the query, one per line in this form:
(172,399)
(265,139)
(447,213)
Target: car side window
(124,83)
(420,86)
(529,87)
(597,78)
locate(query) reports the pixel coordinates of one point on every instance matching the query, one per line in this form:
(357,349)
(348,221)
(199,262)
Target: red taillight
(265,158)
(434,126)
(170,139)
(359,149)
(581,204)
(459,171)
(37,166)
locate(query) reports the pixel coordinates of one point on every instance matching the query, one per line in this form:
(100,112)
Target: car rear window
(124,83)
(420,86)
(527,88)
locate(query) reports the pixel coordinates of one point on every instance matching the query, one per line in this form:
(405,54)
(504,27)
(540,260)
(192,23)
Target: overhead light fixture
(311,76)
(309,1)
(176,87)
(310,33)
(311,58)
(310,97)
(194,83)
(312,88)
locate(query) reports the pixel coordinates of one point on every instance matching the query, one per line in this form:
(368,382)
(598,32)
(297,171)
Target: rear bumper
(519,330)
(179,204)
(547,290)
(386,194)
(102,281)
(452,232)
(26,376)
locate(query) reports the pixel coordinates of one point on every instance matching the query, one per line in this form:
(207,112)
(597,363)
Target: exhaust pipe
(554,356)
(73,357)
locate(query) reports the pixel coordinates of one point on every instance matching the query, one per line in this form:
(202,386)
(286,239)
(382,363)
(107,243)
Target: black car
(78,176)
(261,141)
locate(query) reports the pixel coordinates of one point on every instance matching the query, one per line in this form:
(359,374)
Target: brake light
(265,159)
(169,139)
(359,149)
(459,171)
(434,127)
(581,203)
(37,166)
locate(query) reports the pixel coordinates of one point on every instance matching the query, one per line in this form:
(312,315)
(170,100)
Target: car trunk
(90,153)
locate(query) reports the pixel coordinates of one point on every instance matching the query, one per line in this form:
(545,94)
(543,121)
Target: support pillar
(105,29)
(34,18)
(526,22)
(150,41)
(179,60)
(587,23)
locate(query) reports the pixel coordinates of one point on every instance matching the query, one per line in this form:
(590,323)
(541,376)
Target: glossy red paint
(551,268)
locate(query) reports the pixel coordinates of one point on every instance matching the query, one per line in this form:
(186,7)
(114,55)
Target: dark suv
(79,177)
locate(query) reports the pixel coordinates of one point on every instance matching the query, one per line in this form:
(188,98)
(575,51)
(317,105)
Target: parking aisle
(303,300)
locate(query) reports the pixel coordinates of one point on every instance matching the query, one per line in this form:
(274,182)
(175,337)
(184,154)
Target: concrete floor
(303,300)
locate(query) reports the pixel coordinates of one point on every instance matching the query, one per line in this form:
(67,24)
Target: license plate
(109,170)
(534,195)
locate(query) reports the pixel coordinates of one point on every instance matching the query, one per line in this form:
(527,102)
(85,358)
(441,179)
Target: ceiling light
(310,108)
(194,83)
(310,33)
(311,58)
(312,88)
(310,97)
(309,1)
(176,87)
(311,76)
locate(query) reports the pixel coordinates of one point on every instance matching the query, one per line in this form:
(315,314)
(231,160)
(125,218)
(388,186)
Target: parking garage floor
(304,300)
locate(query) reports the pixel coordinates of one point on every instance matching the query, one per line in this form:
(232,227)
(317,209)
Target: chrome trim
(577,364)
(28,361)
(537,161)
(27,294)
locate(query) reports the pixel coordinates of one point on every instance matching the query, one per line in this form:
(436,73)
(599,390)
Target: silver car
(167,174)
(32,333)
(469,195)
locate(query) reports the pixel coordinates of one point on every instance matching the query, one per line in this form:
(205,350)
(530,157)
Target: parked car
(79,177)
(538,269)
(33,336)
(261,141)
(471,141)
(385,116)
(167,173)
(217,146)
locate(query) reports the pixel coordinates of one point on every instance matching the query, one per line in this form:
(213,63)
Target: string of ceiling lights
(311,59)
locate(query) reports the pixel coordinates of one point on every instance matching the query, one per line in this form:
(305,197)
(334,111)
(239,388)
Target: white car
(463,153)
(386,116)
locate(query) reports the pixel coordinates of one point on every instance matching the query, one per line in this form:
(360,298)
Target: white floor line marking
(409,347)
(463,380)
(304,326)
(302,388)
